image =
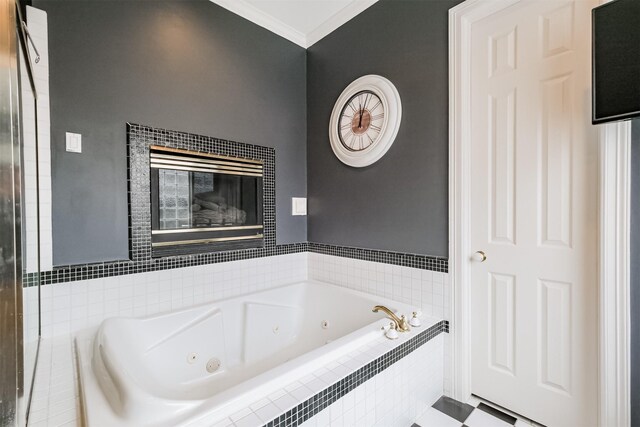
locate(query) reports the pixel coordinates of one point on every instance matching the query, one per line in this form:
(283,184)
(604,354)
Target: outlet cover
(298,206)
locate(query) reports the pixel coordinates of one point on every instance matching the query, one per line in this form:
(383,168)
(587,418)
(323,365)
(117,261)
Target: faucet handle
(415,321)
(392,332)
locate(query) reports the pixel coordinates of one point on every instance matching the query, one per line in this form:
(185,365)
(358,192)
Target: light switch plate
(298,206)
(74,142)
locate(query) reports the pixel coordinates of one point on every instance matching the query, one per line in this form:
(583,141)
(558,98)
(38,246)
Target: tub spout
(401,322)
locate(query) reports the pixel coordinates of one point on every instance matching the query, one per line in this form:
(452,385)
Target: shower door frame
(14,405)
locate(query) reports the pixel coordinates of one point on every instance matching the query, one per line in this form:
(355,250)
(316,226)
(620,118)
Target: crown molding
(258,17)
(337,20)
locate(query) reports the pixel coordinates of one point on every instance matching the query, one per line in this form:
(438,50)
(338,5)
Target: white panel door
(534,212)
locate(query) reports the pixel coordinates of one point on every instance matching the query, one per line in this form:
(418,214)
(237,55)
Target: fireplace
(204,202)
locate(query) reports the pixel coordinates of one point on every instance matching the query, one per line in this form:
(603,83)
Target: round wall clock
(365,121)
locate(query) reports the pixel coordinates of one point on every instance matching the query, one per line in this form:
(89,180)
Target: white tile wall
(422,288)
(37,23)
(30,319)
(73,306)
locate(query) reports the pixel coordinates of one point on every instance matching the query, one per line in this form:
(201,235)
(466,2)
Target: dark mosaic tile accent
(30,279)
(326,397)
(72,273)
(424,262)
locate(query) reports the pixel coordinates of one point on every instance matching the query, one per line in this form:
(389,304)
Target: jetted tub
(175,368)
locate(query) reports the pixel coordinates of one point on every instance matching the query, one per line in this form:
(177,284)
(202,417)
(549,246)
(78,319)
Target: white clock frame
(392,105)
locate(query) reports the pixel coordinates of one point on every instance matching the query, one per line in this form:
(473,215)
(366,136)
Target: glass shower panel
(30,235)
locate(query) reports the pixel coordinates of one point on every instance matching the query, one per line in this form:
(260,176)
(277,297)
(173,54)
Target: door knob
(480,256)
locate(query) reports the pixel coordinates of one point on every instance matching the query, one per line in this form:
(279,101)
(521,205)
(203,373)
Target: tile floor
(447,412)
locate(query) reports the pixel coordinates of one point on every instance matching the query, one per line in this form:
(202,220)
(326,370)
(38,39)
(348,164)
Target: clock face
(365,120)
(361,121)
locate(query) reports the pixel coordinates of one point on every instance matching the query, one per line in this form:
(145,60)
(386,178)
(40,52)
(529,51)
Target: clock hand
(366,101)
(362,112)
(367,97)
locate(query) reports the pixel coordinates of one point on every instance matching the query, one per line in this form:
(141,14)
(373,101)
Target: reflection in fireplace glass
(176,208)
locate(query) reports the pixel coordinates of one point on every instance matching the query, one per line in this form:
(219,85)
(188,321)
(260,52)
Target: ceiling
(303,22)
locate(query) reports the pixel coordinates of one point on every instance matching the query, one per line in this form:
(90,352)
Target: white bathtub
(156,371)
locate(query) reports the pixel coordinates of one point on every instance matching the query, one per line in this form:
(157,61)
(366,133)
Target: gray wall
(635,274)
(400,202)
(181,65)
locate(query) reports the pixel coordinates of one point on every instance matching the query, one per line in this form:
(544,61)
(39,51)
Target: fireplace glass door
(202,202)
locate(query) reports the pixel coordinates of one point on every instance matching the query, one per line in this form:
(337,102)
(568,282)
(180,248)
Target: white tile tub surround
(419,288)
(73,306)
(55,400)
(395,397)
(37,23)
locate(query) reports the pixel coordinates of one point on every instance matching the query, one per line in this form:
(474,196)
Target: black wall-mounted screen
(616,61)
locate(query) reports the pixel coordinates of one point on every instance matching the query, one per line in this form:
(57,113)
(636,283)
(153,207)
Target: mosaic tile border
(423,262)
(73,273)
(326,397)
